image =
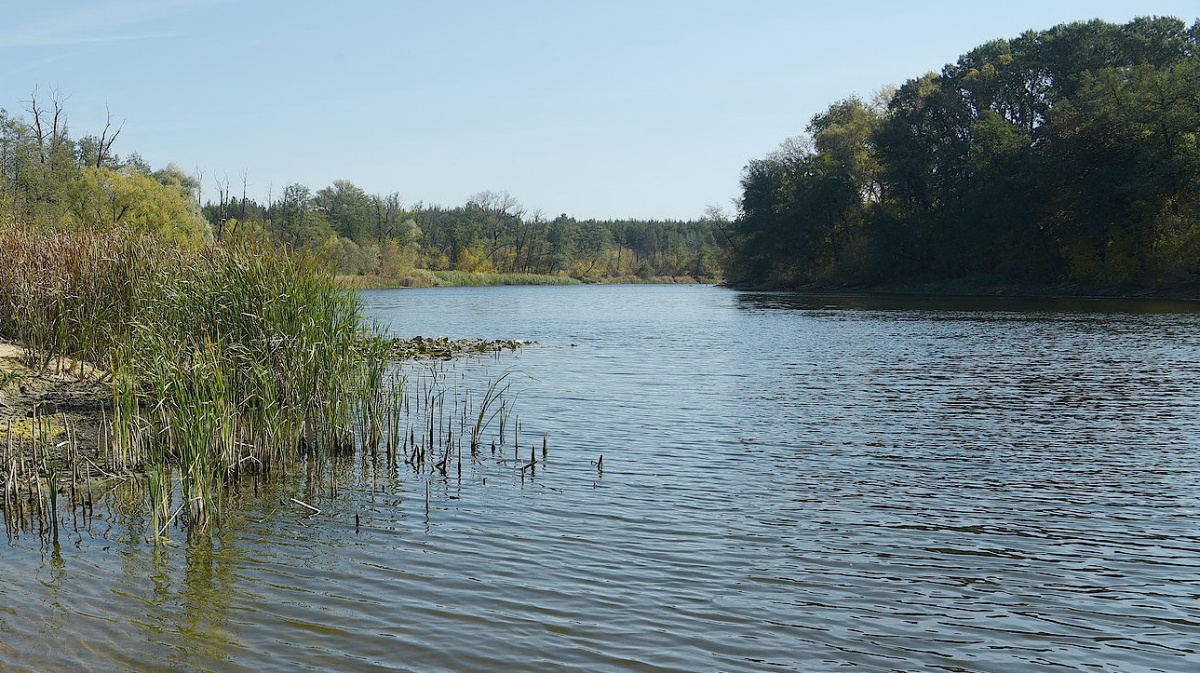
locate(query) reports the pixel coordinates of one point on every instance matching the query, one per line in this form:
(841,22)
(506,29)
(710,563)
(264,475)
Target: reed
(220,357)
(492,405)
(69,293)
(223,360)
(240,357)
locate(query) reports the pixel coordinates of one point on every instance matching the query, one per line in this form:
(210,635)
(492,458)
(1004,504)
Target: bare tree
(223,205)
(104,147)
(245,182)
(499,209)
(55,119)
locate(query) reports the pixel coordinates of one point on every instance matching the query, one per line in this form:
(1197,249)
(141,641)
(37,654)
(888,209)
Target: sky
(601,109)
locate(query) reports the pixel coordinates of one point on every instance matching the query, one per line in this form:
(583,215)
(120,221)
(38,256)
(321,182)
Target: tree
(1072,150)
(104,198)
(97,150)
(1128,142)
(291,214)
(347,208)
(499,214)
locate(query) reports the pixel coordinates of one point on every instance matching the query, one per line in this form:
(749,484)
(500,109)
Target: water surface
(789,483)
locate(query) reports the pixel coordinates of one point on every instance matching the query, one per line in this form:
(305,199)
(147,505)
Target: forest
(1068,155)
(356,233)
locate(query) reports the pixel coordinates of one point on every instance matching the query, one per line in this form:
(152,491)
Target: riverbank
(51,423)
(426,278)
(64,386)
(225,359)
(53,415)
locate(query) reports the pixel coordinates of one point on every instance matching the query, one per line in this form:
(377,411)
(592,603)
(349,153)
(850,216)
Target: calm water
(789,483)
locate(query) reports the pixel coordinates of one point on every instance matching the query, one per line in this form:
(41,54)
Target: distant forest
(1065,155)
(359,233)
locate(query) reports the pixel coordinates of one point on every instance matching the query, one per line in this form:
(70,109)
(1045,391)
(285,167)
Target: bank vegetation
(1064,157)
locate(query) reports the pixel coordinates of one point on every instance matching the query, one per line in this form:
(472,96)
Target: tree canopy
(1065,154)
(49,180)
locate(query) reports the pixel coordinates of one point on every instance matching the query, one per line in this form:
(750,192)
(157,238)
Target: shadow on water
(800,301)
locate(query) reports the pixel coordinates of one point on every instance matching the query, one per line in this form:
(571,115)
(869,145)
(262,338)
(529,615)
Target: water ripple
(789,483)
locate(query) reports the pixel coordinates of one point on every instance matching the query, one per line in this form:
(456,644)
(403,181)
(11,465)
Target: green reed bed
(221,359)
(240,359)
(215,362)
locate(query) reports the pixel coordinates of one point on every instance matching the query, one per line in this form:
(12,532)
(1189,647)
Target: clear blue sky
(597,109)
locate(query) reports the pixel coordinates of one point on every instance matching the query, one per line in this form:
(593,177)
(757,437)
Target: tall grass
(70,293)
(222,358)
(239,358)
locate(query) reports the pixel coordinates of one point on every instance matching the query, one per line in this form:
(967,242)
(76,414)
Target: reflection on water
(977,306)
(789,483)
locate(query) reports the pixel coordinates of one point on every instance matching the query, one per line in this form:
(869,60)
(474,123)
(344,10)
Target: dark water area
(789,482)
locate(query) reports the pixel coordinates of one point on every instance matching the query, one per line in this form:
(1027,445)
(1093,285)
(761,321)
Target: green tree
(296,222)
(347,208)
(1066,151)
(105,198)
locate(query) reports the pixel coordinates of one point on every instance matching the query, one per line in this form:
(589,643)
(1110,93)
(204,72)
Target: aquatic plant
(240,357)
(223,360)
(446,348)
(70,293)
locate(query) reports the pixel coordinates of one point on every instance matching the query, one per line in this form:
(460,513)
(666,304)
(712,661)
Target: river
(733,481)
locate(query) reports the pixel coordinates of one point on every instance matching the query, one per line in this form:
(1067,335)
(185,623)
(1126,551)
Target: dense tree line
(1065,154)
(359,233)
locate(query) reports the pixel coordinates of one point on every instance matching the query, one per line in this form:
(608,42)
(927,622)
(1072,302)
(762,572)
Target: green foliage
(1070,153)
(353,233)
(347,208)
(266,341)
(50,181)
(100,199)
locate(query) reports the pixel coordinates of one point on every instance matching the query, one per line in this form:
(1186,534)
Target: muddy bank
(59,387)
(51,417)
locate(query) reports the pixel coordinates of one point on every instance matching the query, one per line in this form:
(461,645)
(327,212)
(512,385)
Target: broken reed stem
(305,504)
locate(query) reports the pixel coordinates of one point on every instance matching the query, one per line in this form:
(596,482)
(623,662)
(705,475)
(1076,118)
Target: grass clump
(69,293)
(239,358)
(222,358)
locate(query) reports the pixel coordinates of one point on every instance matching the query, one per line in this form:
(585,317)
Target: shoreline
(428,279)
(65,386)
(51,420)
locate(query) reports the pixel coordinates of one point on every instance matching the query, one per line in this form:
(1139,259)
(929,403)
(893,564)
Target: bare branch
(104,150)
